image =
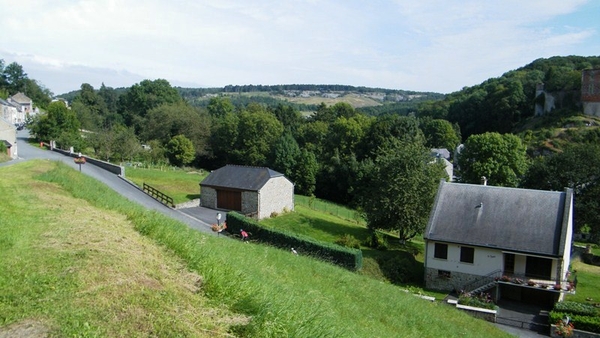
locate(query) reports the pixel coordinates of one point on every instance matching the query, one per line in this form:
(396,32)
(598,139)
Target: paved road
(197,218)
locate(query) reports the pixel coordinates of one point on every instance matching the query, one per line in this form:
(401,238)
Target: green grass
(87,262)
(588,279)
(181,185)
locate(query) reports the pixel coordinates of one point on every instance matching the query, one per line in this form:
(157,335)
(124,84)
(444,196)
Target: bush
(585,323)
(576,308)
(398,269)
(482,300)
(376,241)
(346,257)
(348,241)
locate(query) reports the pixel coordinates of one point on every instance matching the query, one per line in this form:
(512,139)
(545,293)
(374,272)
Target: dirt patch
(28,328)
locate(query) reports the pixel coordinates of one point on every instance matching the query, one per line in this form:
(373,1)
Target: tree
(58,121)
(140,98)
(398,187)
(257,131)
(15,78)
(219,106)
(577,167)
(305,173)
(168,120)
(502,159)
(180,150)
(440,134)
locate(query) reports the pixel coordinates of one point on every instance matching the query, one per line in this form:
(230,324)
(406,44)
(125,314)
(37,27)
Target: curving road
(197,217)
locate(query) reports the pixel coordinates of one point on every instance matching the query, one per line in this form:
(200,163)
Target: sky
(426,45)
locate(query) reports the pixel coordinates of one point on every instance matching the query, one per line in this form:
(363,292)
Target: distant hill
(306,97)
(507,104)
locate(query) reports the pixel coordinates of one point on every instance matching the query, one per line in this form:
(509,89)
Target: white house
(8,136)
(253,191)
(23,104)
(9,113)
(482,236)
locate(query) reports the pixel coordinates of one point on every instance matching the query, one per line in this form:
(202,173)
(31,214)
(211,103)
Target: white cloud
(414,45)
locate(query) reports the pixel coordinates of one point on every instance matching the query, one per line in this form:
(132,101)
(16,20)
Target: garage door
(231,200)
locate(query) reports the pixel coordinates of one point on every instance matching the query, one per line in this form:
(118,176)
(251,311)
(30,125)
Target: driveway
(196,219)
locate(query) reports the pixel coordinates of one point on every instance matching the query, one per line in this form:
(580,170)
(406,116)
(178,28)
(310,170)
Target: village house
(8,136)
(9,113)
(23,104)
(516,242)
(253,191)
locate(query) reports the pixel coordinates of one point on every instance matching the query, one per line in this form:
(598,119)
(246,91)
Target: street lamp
(219,219)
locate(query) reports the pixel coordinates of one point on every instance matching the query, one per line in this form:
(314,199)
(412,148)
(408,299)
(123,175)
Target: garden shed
(257,192)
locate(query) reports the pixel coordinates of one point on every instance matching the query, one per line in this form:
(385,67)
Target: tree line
(13,80)
(380,165)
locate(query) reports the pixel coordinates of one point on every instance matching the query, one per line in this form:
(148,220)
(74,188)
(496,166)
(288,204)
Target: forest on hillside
(371,161)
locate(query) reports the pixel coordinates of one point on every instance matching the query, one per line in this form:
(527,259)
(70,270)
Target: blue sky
(426,45)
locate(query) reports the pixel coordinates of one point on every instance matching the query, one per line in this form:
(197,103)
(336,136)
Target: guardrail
(159,196)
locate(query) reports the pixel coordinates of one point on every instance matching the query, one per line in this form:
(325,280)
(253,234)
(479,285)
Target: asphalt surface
(197,218)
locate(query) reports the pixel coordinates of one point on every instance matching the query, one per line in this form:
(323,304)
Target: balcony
(563,286)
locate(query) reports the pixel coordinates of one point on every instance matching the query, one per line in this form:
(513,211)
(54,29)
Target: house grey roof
(6,103)
(519,220)
(6,143)
(240,177)
(21,98)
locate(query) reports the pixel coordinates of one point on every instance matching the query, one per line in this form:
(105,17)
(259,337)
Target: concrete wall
(113,168)
(276,196)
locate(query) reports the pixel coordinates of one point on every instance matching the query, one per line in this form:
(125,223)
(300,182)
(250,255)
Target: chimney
(483,180)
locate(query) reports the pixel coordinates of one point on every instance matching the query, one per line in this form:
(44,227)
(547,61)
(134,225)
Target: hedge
(585,323)
(576,308)
(346,257)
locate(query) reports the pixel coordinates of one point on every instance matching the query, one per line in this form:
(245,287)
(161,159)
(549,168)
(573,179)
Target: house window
(467,254)
(441,251)
(444,274)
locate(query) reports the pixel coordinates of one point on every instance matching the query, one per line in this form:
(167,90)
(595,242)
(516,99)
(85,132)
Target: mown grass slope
(87,262)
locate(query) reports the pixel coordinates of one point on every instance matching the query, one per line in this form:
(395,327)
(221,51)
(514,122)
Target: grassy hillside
(79,260)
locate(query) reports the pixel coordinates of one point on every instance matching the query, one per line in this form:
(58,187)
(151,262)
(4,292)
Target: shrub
(585,323)
(398,270)
(482,300)
(376,241)
(348,241)
(576,308)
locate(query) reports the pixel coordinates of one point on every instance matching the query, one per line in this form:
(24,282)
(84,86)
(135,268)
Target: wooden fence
(159,196)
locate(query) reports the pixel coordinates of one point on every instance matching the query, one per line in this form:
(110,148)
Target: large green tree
(257,132)
(397,188)
(59,124)
(440,134)
(169,120)
(501,158)
(180,150)
(577,167)
(140,98)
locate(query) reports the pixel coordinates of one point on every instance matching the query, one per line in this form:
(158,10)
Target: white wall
(485,260)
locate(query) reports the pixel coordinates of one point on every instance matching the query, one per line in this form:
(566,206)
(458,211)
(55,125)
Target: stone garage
(257,192)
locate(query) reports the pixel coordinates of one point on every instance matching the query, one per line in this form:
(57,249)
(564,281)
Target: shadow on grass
(192,196)
(336,229)
(397,266)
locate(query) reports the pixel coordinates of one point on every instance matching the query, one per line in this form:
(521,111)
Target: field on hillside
(80,260)
(181,185)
